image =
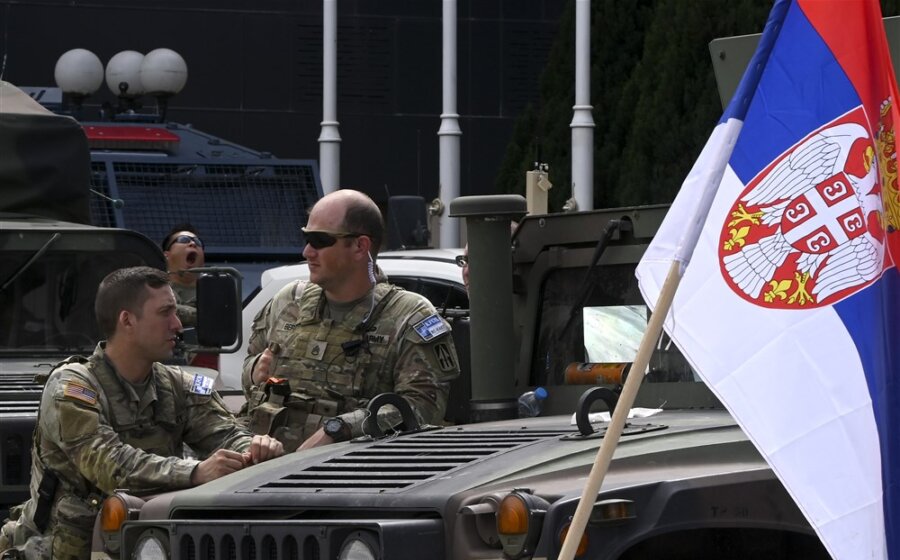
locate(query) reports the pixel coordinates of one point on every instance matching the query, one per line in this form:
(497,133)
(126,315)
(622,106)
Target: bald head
(360,214)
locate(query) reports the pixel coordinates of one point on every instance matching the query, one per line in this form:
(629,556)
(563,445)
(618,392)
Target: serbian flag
(786,235)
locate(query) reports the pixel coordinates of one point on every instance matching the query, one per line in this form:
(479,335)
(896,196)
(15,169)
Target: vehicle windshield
(606,330)
(50,305)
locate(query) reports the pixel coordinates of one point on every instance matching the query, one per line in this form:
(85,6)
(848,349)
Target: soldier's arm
(72,419)
(425,367)
(255,346)
(210,425)
(261,327)
(187,314)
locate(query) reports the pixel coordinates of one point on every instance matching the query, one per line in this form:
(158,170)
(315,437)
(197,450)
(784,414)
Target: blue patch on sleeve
(431,327)
(202,385)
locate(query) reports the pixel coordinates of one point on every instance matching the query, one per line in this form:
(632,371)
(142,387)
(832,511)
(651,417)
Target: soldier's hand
(261,371)
(318,439)
(263,448)
(220,463)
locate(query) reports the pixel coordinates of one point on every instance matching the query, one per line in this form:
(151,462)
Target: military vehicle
(560,309)
(51,263)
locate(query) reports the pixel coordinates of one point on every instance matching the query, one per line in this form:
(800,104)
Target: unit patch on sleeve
(201,385)
(431,327)
(444,356)
(80,392)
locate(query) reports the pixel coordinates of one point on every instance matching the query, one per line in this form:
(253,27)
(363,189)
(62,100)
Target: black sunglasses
(185,239)
(319,239)
(462,261)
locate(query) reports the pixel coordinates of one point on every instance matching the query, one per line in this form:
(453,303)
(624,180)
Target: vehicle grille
(398,539)
(394,464)
(19,393)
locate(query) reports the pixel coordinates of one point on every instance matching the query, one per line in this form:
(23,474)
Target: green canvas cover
(44,160)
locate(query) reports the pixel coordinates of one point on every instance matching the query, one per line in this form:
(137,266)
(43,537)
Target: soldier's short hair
(125,289)
(176,229)
(363,216)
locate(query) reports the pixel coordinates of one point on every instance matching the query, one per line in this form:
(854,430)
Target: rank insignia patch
(80,392)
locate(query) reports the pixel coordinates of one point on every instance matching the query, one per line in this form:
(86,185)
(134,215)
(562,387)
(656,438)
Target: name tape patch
(376,338)
(431,327)
(80,392)
(202,385)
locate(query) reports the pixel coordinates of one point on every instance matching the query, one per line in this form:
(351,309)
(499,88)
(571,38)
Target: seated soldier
(119,419)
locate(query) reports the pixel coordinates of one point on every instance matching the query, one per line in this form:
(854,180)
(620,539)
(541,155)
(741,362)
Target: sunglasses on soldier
(185,239)
(319,239)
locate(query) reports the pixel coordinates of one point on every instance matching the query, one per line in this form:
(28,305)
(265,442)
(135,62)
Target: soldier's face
(156,327)
(185,251)
(329,266)
(465,269)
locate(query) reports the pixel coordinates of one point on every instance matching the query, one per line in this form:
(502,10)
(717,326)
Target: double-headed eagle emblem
(807,231)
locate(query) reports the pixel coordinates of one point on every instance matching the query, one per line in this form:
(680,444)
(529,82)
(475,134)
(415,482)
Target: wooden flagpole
(620,415)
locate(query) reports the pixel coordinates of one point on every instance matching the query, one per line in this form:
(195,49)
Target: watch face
(334,428)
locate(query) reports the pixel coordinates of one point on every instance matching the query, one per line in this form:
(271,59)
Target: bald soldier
(119,419)
(321,350)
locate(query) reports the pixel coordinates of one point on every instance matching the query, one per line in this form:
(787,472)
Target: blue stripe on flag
(786,108)
(871,318)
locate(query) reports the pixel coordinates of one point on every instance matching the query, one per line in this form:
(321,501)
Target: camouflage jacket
(186,298)
(97,435)
(406,349)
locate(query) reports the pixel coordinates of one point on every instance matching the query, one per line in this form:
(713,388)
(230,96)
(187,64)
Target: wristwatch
(337,429)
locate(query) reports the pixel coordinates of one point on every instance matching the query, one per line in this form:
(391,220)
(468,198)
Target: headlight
(359,546)
(153,544)
(519,521)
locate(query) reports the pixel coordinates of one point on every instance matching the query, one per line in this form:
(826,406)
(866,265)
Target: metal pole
(449,132)
(582,118)
(330,137)
(493,343)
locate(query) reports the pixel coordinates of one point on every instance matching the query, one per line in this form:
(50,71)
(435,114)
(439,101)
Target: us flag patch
(80,392)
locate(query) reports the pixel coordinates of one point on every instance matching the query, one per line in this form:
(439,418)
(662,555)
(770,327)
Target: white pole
(330,137)
(582,118)
(449,132)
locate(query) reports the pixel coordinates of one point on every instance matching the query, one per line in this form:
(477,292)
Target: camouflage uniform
(97,435)
(186,297)
(408,350)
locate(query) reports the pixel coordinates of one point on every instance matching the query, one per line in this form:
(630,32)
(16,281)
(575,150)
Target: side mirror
(218,310)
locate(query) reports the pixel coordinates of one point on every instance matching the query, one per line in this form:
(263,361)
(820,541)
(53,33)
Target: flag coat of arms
(787,232)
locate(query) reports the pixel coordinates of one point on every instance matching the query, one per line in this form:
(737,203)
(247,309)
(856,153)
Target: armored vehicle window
(608,327)
(50,306)
(441,294)
(613,334)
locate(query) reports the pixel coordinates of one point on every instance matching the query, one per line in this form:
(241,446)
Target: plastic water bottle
(531,401)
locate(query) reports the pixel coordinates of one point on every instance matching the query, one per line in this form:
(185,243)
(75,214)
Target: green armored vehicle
(51,263)
(560,310)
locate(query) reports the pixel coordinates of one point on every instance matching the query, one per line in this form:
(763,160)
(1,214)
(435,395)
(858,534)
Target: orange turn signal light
(512,516)
(582,544)
(113,513)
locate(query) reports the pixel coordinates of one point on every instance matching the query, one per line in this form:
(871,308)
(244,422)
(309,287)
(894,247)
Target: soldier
(462,261)
(184,249)
(118,420)
(320,350)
